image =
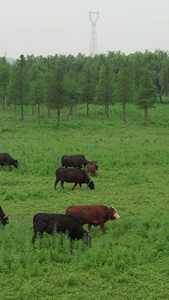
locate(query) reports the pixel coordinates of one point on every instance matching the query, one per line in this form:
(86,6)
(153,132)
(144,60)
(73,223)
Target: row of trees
(59,81)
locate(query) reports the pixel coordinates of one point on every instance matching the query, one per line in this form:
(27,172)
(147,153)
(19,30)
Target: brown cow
(91,168)
(93,214)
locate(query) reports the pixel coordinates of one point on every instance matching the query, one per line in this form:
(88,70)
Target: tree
(104,91)
(37,86)
(56,90)
(116,59)
(4,79)
(37,92)
(88,87)
(164,77)
(155,61)
(72,92)
(18,86)
(147,93)
(124,90)
(137,64)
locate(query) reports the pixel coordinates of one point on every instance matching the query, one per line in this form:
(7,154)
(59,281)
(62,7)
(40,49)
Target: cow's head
(15,163)
(3,218)
(93,163)
(91,184)
(113,214)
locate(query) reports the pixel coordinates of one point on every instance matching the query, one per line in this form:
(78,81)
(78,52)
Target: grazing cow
(45,222)
(73,175)
(3,218)
(91,168)
(93,214)
(74,161)
(7,160)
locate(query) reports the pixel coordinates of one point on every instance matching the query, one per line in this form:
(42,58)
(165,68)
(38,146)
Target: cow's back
(4,157)
(73,161)
(88,214)
(72,174)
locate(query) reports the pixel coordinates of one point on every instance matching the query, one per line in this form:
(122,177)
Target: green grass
(129,262)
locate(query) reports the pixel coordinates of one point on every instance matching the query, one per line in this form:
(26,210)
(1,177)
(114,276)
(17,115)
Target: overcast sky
(49,27)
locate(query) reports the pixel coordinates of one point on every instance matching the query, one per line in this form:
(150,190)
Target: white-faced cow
(50,223)
(76,161)
(7,160)
(73,175)
(3,218)
(93,214)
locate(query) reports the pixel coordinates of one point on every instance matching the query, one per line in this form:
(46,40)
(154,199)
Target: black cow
(7,160)
(73,175)
(76,161)
(3,218)
(45,222)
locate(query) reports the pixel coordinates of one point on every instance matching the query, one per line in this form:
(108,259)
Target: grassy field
(131,261)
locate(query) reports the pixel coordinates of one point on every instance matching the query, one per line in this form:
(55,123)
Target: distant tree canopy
(65,81)
(147,93)
(4,79)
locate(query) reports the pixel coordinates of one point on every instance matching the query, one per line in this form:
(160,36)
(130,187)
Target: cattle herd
(75,216)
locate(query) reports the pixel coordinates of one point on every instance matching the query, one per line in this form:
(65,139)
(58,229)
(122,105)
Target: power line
(93,42)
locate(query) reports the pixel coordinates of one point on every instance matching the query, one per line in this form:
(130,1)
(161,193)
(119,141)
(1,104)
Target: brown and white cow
(91,168)
(93,214)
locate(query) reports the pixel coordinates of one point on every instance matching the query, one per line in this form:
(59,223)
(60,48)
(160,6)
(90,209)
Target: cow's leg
(80,185)
(89,228)
(74,185)
(71,246)
(103,228)
(34,237)
(61,183)
(89,240)
(56,182)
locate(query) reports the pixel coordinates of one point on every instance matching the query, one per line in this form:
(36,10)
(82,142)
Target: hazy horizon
(52,27)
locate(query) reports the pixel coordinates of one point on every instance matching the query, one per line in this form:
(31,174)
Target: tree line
(65,81)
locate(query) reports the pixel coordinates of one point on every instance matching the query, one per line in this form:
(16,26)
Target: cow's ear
(111,207)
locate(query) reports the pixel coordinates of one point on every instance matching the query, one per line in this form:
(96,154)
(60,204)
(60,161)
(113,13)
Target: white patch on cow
(116,215)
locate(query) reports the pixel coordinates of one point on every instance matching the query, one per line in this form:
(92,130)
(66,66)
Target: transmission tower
(93,42)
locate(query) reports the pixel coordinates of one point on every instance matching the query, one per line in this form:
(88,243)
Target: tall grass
(131,260)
